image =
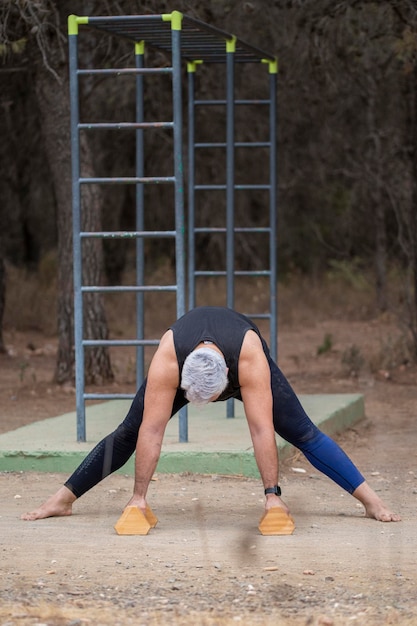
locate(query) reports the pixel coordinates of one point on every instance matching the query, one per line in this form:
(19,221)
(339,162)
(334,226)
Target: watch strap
(276,490)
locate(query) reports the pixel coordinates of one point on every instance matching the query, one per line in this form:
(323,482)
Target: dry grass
(31,302)
(31,298)
(342,294)
(54,615)
(50,614)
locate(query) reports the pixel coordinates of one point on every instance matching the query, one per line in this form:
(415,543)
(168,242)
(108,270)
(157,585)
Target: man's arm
(161,387)
(255,386)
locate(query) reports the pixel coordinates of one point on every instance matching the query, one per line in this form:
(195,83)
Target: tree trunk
(413,216)
(2,299)
(53,101)
(97,362)
(408,216)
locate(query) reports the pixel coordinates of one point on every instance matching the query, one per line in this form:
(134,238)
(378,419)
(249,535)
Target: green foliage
(23,365)
(395,351)
(349,271)
(327,344)
(15,47)
(405,48)
(353,360)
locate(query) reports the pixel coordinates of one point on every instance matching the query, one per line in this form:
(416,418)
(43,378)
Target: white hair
(204,376)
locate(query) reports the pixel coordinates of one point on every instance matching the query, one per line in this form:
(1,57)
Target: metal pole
(191,190)
(176,21)
(230,191)
(273,211)
(140,261)
(76,228)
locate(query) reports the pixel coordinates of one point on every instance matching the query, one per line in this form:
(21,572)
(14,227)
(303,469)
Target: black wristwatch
(276,490)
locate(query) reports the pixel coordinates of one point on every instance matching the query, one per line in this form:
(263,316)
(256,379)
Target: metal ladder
(230,187)
(139,234)
(182,37)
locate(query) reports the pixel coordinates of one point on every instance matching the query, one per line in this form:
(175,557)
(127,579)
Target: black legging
(290,422)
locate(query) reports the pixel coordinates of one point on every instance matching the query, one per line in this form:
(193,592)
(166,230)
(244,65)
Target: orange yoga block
(276,522)
(151,517)
(134,522)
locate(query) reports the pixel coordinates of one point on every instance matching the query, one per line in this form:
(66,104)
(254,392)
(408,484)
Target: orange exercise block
(276,522)
(151,517)
(134,522)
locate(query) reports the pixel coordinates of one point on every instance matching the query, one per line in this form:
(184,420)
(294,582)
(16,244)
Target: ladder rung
(253,144)
(240,187)
(124,125)
(120,342)
(255,229)
(223,102)
(211,145)
(209,273)
(252,186)
(129,180)
(252,273)
(238,144)
(128,234)
(125,70)
(207,187)
(108,396)
(235,273)
(126,288)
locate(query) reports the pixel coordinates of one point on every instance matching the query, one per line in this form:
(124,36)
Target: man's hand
(137,501)
(273,500)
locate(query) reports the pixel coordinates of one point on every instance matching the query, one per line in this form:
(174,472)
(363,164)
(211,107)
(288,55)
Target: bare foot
(59,504)
(381,513)
(374,506)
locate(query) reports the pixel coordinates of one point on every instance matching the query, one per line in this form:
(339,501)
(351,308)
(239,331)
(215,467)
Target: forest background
(347,169)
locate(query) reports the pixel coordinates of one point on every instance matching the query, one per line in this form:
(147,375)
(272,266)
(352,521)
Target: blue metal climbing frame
(182,38)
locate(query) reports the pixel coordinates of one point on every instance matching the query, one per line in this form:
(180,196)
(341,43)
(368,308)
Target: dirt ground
(205,563)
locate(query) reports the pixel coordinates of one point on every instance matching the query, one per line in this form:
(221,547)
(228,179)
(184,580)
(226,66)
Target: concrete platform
(217,445)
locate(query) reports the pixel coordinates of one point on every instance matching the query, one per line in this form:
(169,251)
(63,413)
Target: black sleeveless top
(222,326)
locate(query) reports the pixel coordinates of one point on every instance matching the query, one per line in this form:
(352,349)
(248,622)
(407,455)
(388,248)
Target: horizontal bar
(126,288)
(252,187)
(235,273)
(204,187)
(124,125)
(109,396)
(114,19)
(129,180)
(210,273)
(120,342)
(223,102)
(125,70)
(255,229)
(208,187)
(136,234)
(238,144)
(211,145)
(252,273)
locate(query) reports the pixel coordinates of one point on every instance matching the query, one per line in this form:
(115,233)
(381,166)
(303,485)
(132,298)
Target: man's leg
(116,449)
(293,424)
(109,455)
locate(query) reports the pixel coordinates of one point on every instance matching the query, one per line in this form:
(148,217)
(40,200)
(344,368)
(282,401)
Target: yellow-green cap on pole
(140,47)
(273,65)
(74,21)
(175,18)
